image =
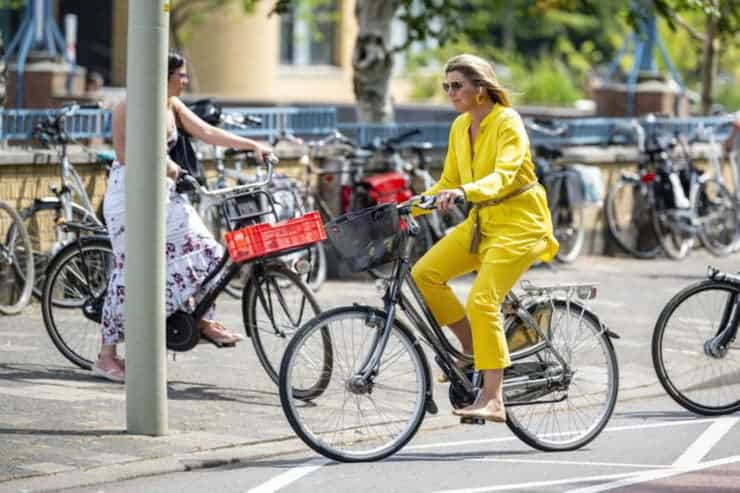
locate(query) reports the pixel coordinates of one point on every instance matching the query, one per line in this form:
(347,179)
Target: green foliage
(540,80)
(12,4)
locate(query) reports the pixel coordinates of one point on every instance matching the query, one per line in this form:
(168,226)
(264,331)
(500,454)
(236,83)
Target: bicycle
(668,208)
(275,301)
(16,262)
(565,195)
(46,214)
(367,404)
(694,346)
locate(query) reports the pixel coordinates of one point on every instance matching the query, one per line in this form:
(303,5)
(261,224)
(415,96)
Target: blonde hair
(480,72)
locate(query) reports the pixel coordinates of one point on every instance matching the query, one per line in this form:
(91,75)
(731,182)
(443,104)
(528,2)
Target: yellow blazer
(499,164)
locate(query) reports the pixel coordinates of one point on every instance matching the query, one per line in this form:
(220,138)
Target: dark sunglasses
(455,86)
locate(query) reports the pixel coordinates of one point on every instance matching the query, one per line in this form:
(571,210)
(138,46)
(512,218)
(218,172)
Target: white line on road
(567,462)
(539,484)
(606,430)
(702,445)
(658,474)
(283,480)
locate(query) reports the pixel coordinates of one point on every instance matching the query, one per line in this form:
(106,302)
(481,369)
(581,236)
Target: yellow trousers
(498,269)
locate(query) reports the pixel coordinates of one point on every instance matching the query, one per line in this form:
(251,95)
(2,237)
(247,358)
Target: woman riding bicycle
(192,252)
(488,163)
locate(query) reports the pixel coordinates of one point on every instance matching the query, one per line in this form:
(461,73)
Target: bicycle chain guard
(183,333)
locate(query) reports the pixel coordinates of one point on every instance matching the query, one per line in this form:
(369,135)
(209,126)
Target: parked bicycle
(369,399)
(695,347)
(565,191)
(16,262)
(663,207)
(275,301)
(69,203)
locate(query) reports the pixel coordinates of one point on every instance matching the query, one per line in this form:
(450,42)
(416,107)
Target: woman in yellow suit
(488,163)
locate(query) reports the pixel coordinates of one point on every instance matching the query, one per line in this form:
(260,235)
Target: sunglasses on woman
(455,86)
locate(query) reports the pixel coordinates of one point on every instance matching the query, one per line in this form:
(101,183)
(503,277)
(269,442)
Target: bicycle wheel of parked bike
(16,262)
(629,217)
(568,226)
(717,211)
(40,221)
(78,277)
(354,419)
(275,303)
(698,376)
(562,408)
(677,241)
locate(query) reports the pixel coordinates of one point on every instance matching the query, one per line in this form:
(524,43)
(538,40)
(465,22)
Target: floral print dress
(192,253)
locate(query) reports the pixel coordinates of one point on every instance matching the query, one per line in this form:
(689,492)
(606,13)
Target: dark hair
(174,62)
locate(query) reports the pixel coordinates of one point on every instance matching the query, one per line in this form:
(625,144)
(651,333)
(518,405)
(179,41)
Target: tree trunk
(709,64)
(372,60)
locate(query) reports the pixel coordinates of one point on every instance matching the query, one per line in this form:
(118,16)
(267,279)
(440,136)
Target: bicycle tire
(680,385)
(75,335)
(717,211)
(676,244)
(644,244)
(569,229)
(350,442)
(267,303)
(39,228)
(552,436)
(16,262)
(317,275)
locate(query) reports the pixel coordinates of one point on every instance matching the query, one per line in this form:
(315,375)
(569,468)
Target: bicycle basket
(367,238)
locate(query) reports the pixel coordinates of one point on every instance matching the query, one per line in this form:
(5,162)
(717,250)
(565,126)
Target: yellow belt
(475,239)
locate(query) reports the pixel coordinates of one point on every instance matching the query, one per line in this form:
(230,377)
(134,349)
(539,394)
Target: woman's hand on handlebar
(264,151)
(448,198)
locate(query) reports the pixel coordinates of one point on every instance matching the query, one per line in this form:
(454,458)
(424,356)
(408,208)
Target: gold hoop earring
(479,98)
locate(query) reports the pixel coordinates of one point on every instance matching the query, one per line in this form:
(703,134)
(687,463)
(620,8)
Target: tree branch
(692,32)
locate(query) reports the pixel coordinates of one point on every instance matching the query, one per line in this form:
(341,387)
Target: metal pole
(146,380)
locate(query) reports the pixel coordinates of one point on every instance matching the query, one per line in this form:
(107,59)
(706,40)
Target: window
(309,39)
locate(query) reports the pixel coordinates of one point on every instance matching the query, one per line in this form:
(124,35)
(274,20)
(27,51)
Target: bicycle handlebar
(187,182)
(550,130)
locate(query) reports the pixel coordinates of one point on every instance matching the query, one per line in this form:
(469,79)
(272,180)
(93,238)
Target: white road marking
(539,484)
(706,441)
(294,474)
(568,462)
(657,474)
(606,430)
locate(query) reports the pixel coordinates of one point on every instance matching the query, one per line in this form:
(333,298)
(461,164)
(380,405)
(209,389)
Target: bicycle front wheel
(569,229)
(16,262)
(73,296)
(275,303)
(556,407)
(699,379)
(354,418)
(628,217)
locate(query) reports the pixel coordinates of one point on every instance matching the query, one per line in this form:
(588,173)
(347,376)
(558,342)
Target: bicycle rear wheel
(275,303)
(40,221)
(353,420)
(562,409)
(628,217)
(717,211)
(78,277)
(699,380)
(16,262)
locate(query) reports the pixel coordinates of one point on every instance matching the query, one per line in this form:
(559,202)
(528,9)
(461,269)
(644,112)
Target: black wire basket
(367,238)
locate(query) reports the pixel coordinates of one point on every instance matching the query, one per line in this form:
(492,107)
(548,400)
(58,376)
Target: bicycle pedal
(472,420)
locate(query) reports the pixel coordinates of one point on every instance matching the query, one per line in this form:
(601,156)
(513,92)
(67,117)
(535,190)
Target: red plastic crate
(262,239)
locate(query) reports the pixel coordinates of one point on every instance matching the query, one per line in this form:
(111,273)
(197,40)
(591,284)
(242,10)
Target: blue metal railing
(318,121)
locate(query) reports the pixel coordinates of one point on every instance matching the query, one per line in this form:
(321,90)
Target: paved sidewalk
(62,427)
